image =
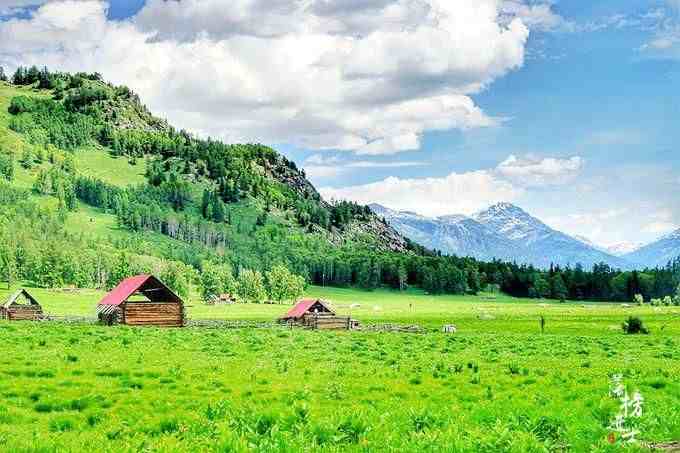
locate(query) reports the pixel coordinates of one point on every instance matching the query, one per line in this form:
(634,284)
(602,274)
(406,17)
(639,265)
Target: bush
(21,104)
(634,325)
(61,424)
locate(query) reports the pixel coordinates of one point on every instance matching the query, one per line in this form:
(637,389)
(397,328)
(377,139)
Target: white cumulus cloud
(463,193)
(539,16)
(322,166)
(540,171)
(369,76)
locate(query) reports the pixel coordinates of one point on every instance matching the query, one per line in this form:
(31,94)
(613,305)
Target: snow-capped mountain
(657,253)
(624,248)
(619,249)
(546,245)
(454,234)
(503,231)
(514,223)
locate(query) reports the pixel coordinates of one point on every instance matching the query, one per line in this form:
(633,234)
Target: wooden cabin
(21,306)
(316,314)
(142,300)
(222,299)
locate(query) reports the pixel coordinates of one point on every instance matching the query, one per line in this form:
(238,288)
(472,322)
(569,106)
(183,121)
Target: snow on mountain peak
(513,222)
(675,235)
(502,231)
(624,248)
(453,219)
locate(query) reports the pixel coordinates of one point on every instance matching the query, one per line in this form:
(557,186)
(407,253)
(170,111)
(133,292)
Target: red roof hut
(315,314)
(142,301)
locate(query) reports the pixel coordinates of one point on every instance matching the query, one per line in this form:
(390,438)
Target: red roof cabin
(315,314)
(142,300)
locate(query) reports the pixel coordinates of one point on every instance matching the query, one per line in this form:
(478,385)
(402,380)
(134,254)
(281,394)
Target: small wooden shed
(142,300)
(222,299)
(21,306)
(316,314)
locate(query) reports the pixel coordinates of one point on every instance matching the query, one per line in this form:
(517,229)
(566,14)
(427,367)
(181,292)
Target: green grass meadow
(498,384)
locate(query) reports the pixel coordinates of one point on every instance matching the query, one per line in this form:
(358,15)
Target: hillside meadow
(498,384)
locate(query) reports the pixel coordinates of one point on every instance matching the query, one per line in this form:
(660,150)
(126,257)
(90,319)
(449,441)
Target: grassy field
(496,385)
(485,313)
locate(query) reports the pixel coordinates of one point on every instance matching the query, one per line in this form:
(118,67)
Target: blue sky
(568,109)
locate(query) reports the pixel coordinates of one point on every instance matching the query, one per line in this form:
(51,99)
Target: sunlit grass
(81,387)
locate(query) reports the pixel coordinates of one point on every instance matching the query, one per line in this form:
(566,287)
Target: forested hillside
(95,187)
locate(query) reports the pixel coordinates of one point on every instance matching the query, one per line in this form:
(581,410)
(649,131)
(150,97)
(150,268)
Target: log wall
(153,314)
(24,313)
(326,322)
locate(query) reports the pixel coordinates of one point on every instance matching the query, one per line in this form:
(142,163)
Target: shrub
(7,166)
(352,429)
(79,404)
(43,408)
(94,419)
(21,104)
(422,421)
(513,368)
(548,429)
(167,426)
(60,425)
(634,325)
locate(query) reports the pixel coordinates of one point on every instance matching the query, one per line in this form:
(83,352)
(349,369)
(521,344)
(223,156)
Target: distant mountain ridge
(458,233)
(658,253)
(503,231)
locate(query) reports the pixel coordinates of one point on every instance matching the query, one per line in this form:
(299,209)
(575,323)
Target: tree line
(257,246)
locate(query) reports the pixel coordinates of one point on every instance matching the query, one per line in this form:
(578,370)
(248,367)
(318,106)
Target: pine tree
(19,77)
(70,198)
(3,76)
(218,211)
(45,79)
(205,202)
(403,277)
(558,288)
(32,75)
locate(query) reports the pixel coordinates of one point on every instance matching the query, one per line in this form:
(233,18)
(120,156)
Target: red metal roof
(299,310)
(149,285)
